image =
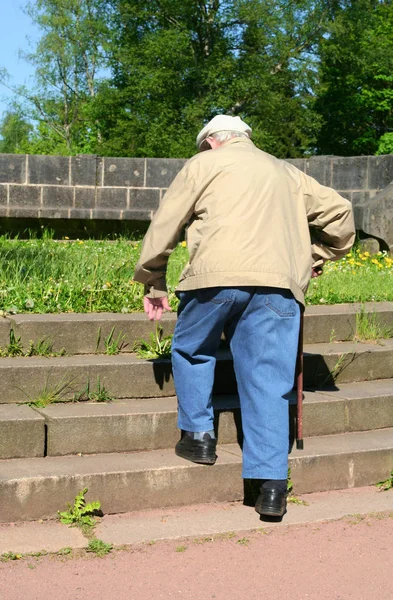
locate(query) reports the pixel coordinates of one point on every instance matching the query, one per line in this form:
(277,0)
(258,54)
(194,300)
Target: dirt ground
(341,560)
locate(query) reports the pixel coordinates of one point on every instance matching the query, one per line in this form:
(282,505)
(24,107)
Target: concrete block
(137,215)
(330,323)
(146,199)
(112,198)
(123,376)
(86,170)
(360,198)
(5,327)
(56,196)
(126,426)
(23,212)
(122,482)
(299,163)
(34,537)
(12,168)
(347,362)
(376,218)
(320,168)
(85,197)
(3,195)
(350,173)
(25,195)
(22,432)
(3,211)
(380,171)
(156,479)
(127,172)
(107,214)
(80,213)
(370,245)
(342,461)
(51,170)
(160,172)
(86,333)
(54,213)
(346,194)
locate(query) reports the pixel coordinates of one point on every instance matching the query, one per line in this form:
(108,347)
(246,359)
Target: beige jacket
(249,217)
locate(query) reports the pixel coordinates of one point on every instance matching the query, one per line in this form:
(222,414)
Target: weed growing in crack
(99,547)
(157,347)
(81,514)
(386,485)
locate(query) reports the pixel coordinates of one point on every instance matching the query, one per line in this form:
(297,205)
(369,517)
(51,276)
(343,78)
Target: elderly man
(248,216)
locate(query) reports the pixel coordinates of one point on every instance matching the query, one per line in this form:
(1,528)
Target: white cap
(222,123)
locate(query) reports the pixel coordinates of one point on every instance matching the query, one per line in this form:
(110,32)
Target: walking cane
(299,387)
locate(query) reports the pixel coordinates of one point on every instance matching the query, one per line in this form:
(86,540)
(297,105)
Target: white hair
(224,136)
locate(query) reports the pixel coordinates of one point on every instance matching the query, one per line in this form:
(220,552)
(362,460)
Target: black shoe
(271,502)
(198,451)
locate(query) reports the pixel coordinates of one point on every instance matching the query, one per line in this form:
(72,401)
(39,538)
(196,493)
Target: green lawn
(48,276)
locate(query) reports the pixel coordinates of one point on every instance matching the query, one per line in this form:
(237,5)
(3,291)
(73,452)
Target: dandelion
(374,261)
(66,237)
(29,303)
(184,244)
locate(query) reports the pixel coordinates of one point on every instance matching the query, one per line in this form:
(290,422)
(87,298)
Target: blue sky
(16,27)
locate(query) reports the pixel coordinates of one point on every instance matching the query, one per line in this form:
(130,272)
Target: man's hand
(154,307)
(316,272)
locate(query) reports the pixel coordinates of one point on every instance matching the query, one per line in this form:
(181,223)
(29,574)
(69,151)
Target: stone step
(37,488)
(126,376)
(86,333)
(150,424)
(22,432)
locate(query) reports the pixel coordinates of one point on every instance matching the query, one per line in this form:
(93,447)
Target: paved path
(312,559)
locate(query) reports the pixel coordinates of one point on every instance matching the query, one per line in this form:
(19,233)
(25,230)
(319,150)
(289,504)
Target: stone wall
(130,189)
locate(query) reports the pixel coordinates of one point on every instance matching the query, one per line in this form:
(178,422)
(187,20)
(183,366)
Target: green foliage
(89,394)
(99,547)
(80,514)
(386,485)
(43,347)
(369,327)
(15,132)
(291,498)
(14,348)
(6,556)
(51,393)
(114,345)
(157,347)
(355,94)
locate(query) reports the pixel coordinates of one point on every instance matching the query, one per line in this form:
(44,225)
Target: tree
(15,133)
(67,60)
(177,63)
(355,97)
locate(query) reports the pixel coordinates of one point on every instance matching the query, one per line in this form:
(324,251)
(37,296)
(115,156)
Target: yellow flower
(66,237)
(353,272)
(367,254)
(184,244)
(363,257)
(108,284)
(374,261)
(349,254)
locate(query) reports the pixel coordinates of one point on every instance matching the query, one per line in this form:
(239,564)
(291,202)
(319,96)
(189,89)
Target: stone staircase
(122,451)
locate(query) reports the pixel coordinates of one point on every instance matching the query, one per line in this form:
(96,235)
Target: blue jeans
(262,326)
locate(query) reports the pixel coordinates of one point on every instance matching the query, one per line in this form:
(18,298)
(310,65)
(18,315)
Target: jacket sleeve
(162,236)
(330,219)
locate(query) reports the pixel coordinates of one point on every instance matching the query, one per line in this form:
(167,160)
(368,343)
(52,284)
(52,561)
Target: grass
(51,276)
(43,347)
(157,347)
(369,328)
